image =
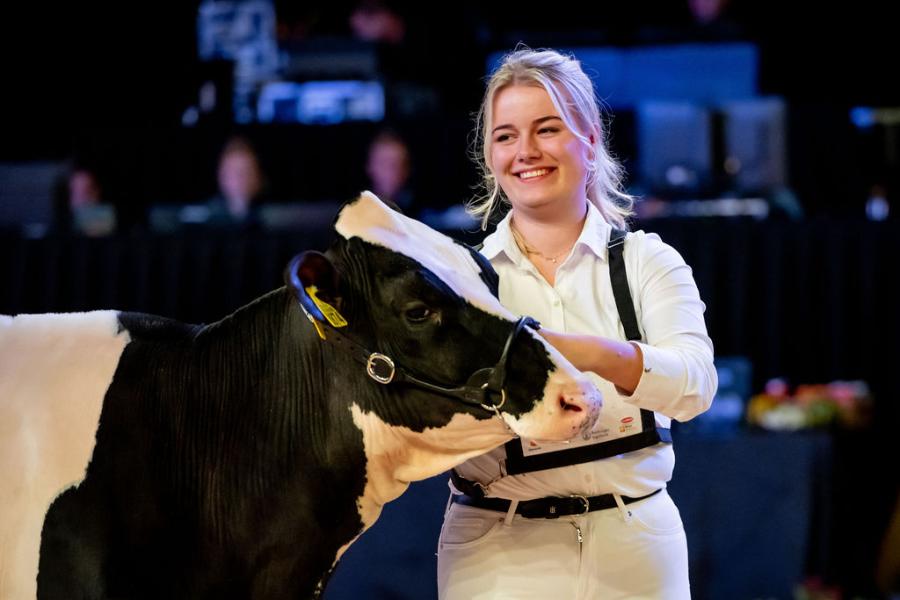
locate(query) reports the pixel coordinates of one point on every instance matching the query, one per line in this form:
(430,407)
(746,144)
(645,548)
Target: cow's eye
(418,314)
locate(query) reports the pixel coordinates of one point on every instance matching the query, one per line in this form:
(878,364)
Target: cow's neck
(251,395)
(272,436)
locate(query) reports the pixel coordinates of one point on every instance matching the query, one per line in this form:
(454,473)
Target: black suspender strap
(619,279)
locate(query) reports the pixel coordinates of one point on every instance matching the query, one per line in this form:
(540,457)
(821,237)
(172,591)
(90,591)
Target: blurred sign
(321,102)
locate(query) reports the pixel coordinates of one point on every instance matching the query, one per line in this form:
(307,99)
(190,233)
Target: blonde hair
(572,93)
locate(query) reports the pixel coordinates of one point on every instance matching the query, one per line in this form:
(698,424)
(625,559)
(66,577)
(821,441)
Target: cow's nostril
(567,405)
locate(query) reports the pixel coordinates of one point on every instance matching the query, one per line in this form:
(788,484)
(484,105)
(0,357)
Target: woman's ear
(592,147)
(595,135)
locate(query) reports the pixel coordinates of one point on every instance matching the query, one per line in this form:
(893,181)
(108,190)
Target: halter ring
(377,360)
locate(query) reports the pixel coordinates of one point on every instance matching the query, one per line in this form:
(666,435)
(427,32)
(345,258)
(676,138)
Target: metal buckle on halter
(585,501)
(494,407)
(380,361)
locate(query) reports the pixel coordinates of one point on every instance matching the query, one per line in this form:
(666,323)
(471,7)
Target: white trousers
(638,552)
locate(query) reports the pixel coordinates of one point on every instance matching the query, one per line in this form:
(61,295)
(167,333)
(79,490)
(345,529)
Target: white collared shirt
(679,378)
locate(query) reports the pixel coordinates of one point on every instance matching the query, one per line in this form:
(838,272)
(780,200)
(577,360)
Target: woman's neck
(548,234)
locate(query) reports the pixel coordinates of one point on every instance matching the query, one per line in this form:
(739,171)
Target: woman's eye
(502,138)
(418,314)
(548,130)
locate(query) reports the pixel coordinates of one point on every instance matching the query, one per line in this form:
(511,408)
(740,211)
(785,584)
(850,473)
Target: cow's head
(430,305)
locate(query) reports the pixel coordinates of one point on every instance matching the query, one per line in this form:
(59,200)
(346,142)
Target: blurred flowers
(813,589)
(845,404)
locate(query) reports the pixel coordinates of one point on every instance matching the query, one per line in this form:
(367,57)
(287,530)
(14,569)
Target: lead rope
(496,409)
(626,514)
(511,513)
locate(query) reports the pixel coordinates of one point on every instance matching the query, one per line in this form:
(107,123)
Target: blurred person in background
(377,21)
(80,205)
(712,20)
(698,21)
(241,185)
(389,167)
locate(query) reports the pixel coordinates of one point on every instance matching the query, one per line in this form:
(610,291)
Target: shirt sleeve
(679,378)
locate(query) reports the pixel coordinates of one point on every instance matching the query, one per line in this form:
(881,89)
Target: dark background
(812,300)
(110,83)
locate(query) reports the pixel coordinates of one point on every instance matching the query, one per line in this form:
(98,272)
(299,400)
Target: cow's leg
(73,543)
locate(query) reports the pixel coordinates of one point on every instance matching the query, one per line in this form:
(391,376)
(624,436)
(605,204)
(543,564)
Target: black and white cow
(241,459)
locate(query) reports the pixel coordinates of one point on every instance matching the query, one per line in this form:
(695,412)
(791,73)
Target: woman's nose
(527,149)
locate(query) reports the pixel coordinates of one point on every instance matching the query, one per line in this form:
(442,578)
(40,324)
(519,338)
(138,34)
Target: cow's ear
(313,277)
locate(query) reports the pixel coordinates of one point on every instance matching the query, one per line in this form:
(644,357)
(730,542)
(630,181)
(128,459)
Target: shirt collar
(501,241)
(596,232)
(594,236)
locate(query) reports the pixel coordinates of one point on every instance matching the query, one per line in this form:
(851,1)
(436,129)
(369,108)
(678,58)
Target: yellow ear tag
(319,329)
(330,312)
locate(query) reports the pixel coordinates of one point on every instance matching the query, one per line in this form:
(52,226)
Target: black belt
(551,507)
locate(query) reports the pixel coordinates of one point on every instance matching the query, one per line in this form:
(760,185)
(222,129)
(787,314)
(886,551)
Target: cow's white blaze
(369,219)
(54,372)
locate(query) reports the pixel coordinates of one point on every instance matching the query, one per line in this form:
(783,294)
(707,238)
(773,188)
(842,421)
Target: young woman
(588,519)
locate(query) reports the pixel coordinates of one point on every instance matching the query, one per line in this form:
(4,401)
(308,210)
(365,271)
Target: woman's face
(537,160)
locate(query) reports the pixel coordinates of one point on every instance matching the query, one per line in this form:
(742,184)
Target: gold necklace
(524,247)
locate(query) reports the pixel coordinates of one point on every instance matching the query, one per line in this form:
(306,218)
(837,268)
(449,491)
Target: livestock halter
(481,389)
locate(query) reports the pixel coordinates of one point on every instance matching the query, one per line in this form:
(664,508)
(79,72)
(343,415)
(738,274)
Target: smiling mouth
(534,174)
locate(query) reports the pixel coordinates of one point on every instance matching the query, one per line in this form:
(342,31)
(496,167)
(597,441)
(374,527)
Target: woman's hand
(621,363)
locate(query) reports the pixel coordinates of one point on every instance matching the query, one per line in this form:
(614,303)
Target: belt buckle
(481,488)
(587,503)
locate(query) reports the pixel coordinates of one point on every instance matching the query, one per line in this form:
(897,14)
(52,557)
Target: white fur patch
(369,219)
(397,455)
(54,372)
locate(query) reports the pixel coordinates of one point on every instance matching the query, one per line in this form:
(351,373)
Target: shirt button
(556,302)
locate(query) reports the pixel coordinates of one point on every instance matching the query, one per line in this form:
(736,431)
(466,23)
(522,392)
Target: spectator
(80,207)
(703,21)
(376,21)
(241,185)
(389,168)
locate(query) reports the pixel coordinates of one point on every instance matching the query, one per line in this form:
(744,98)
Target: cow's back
(54,372)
